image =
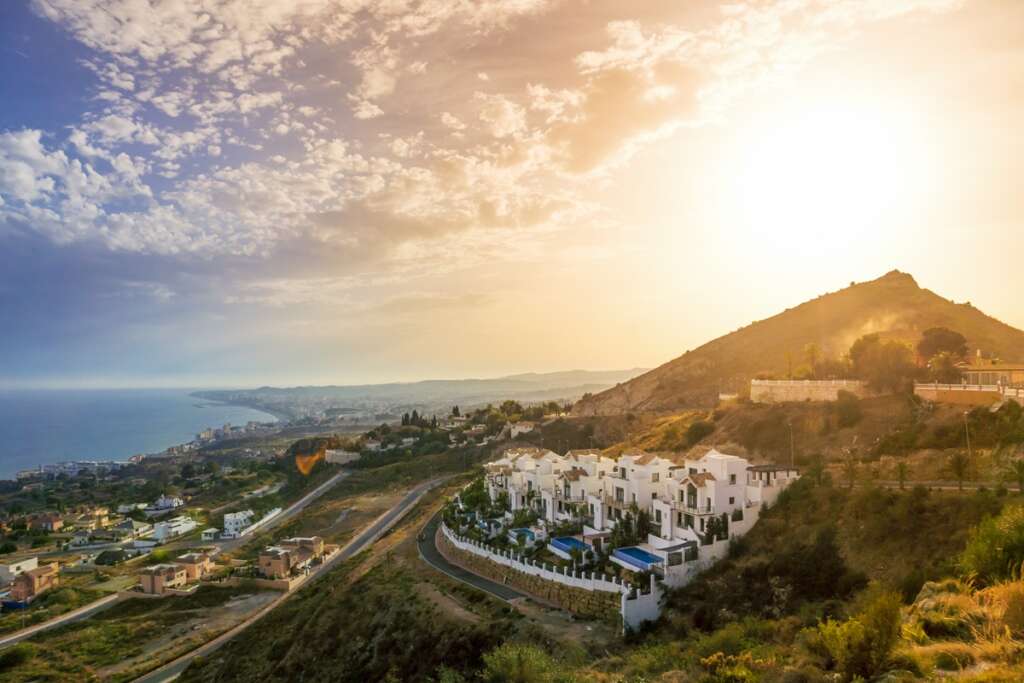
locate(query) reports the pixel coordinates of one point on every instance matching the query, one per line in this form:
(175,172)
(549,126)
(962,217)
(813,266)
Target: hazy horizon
(350,193)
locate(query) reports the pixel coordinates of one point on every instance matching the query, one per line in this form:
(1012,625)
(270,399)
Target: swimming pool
(516,534)
(567,544)
(637,557)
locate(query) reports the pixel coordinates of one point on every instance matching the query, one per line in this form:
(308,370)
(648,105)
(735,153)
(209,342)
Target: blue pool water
(522,532)
(638,557)
(567,543)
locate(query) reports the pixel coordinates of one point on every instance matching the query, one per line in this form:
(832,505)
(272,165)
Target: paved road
(427,544)
(364,539)
(68,618)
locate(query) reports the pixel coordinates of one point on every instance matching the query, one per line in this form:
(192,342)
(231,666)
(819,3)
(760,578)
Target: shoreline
(276,414)
(97,449)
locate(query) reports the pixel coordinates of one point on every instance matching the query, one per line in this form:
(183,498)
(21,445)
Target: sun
(815,178)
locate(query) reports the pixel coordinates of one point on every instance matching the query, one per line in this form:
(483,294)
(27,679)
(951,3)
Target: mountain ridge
(894,306)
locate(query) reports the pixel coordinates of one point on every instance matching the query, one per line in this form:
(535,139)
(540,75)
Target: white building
(692,504)
(172,528)
(517,428)
(11,569)
(341,457)
(237,522)
(166,502)
(210,534)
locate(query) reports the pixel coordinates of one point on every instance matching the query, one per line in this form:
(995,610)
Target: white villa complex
(694,506)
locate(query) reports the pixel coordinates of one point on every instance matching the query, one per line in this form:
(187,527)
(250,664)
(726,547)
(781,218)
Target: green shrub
(995,549)
(861,646)
(517,663)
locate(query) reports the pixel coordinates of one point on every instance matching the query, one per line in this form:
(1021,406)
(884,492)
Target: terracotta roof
(576,452)
(701,478)
(574,474)
(772,468)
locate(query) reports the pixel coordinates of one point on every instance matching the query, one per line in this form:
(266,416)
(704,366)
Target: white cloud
(504,117)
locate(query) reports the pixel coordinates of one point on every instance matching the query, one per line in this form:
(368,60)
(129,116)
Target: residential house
(159,578)
(518,428)
(130,529)
(196,565)
(10,570)
(32,583)
(176,526)
(290,556)
(165,502)
(690,502)
(47,521)
(237,522)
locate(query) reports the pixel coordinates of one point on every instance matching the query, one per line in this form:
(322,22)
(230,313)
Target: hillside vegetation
(893,306)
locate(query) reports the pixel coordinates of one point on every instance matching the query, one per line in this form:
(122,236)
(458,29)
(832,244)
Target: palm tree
(959,464)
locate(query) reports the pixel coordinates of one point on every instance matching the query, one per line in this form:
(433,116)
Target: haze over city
(249,193)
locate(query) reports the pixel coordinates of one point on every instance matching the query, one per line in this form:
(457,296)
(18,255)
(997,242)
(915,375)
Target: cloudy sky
(240,192)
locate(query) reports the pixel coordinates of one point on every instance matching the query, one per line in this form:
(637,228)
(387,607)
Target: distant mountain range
(381,400)
(893,306)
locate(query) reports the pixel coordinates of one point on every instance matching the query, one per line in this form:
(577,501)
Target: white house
(694,505)
(172,528)
(11,569)
(517,428)
(210,534)
(165,502)
(237,522)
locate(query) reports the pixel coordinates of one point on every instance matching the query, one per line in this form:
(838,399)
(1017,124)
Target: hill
(893,306)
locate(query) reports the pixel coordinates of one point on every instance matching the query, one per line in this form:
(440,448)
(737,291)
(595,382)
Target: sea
(39,427)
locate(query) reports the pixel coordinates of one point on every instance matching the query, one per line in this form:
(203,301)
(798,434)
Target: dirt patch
(446,603)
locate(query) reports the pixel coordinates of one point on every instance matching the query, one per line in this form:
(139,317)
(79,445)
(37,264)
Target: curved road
(71,617)
(363,540)
(427,544)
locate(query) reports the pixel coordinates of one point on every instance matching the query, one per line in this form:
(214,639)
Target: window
(654,495)
(655,477)
(732,500)
(620,494)
(732,479)
(657,516)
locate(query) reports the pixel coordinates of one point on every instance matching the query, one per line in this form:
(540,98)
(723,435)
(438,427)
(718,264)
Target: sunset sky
(248,192)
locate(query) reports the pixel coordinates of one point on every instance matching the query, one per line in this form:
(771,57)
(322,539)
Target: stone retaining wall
(783,391)
(601,605)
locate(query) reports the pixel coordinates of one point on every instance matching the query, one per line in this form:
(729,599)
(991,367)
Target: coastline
(46,427)
(279,416)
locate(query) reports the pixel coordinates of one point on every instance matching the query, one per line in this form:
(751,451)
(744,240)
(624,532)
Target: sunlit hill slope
(893,305)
